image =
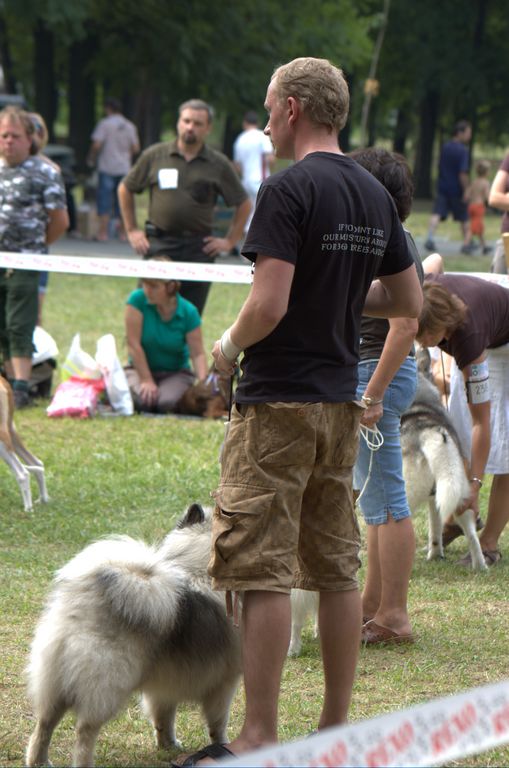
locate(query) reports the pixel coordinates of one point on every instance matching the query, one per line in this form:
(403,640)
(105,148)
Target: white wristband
(229,350)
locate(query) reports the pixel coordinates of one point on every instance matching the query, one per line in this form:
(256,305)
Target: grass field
(135,476)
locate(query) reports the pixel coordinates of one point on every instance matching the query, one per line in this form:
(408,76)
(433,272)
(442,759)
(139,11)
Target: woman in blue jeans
(387,384)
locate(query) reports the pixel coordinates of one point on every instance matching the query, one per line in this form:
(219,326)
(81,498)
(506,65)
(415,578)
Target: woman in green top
(164,337)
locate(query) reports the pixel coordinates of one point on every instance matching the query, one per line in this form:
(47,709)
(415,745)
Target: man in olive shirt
(185,179)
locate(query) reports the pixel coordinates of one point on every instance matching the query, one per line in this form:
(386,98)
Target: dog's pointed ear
(193,516)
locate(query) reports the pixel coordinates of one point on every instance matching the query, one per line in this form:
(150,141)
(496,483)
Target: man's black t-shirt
(338,225)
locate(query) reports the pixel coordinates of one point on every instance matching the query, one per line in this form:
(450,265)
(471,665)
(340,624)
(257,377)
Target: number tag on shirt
(168,178)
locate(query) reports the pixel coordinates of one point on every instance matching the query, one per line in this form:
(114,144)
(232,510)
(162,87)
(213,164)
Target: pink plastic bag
(76,397)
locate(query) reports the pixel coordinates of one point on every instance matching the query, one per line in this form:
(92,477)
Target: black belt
(152,231)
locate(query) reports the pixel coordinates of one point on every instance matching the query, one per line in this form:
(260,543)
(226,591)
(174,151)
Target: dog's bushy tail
(446,463)
(128,579)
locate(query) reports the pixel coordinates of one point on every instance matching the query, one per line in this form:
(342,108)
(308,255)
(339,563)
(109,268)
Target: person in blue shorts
(387,384)
(453,179)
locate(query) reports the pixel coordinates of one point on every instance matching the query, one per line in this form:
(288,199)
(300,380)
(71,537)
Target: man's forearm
(58,223)
(127,207)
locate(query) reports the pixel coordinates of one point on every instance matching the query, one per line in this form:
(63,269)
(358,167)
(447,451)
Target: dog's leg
(299,616)
(38,473)
(467,522)
(20,473)
(162,714)
(84,743)
(33,464)
(295,646)
(38,746)
(435,548)
(216,708)
(304,604)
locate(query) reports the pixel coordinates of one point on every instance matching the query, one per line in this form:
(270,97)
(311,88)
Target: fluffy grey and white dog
(124,616)
(434,473)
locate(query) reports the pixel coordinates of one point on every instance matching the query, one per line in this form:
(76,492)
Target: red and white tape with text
(85,265)
(177,270)
(428,734)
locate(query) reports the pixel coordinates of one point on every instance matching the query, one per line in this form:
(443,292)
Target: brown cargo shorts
(284,514)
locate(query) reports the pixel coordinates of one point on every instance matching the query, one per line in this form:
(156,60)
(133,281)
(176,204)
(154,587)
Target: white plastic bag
(45,346)
(115,380)
(79,363)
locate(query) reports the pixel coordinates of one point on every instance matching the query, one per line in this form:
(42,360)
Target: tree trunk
(370,90)
(81,99)
(372,124)
(345,136)
(46,94)
(424,151)
(230,133)
(145,112)
(10,83)
(401,131)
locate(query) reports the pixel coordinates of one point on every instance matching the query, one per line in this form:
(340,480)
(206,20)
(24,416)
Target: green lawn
(135,476)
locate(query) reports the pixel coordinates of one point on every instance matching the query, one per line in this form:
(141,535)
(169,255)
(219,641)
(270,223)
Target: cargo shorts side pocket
(346,442)
(240,520)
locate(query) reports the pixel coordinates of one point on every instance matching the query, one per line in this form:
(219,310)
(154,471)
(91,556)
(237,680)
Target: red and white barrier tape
(85,265)
(428,734)
(178,270)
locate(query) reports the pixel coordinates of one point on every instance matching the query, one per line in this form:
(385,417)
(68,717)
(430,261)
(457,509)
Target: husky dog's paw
(166,742)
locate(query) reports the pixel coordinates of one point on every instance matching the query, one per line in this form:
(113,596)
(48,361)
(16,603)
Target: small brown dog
(210,398)
(14,453)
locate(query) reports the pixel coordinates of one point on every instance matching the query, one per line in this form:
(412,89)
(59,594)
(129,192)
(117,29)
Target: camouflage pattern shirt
(27,192)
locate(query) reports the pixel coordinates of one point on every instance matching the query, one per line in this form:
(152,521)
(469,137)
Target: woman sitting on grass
(163,333)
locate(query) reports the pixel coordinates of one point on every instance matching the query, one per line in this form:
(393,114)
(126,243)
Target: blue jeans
(385,491)
(107,202)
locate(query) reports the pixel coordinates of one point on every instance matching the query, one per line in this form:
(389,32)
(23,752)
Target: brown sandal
(491,557)
(375,634)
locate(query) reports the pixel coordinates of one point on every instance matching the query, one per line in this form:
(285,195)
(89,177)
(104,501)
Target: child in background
(476,195)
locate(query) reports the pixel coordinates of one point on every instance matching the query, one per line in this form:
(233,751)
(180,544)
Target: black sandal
(215,751)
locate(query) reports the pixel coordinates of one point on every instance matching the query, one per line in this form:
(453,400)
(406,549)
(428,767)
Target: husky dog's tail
(129,580)
(446,463)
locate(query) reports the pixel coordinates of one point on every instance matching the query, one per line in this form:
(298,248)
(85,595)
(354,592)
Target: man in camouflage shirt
(33,215)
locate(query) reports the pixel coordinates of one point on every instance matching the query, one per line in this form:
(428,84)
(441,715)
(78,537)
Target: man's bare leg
(266,623)
(339,619)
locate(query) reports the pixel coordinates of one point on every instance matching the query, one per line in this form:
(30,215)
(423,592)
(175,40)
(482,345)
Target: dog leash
(227,423)
(443,379)
(374,440)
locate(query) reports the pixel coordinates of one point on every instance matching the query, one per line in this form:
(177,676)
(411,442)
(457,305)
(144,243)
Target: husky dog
(123,617)
(434,470)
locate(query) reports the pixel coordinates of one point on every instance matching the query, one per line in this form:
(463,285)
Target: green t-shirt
(164,341)
(183,194)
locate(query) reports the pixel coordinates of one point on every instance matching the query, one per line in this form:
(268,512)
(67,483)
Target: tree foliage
(441,59)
